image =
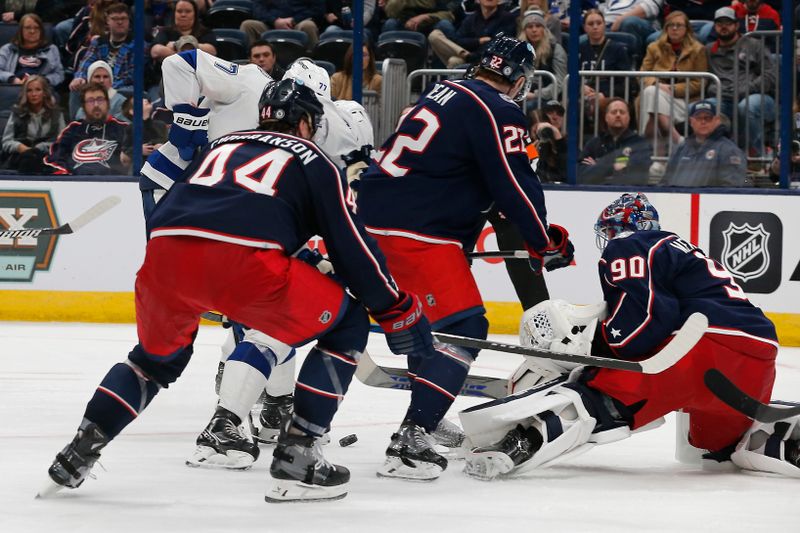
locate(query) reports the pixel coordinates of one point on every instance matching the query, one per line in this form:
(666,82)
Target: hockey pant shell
(750,363)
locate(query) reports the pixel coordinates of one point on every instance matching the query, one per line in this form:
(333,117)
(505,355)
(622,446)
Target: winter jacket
(717,162)
(474,26)
(661,57)
(630,153)
(722,62)
(89,148)
(45,61)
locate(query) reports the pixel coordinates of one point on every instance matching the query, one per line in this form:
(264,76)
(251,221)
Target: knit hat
(100,64)
(534,16)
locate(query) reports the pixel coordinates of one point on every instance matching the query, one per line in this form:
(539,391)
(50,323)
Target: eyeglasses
(676,25)
(95,101)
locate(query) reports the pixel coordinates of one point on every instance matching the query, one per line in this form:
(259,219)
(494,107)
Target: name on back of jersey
(441,94)
(304,153)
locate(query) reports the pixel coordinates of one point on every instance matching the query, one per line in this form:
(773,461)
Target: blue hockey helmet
(510,58)
(629,212)
(288,101)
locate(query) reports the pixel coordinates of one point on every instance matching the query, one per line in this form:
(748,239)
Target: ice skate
(301,473)
(411,455)
(517,446)
(74,464)
(275,414)
(224,444)
(448,434)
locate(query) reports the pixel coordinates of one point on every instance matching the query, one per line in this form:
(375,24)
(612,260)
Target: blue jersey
(653,280)
(275,191)
(461,149)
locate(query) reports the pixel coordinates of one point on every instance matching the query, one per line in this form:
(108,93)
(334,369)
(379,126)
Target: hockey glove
(406,328)
(315,259)
(189,129)
(559,251)
(356,162)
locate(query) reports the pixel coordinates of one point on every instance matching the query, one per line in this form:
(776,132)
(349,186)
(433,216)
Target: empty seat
(289,44)
(9,94)
(410,46)
(229,13)
(7,32)
(332,46)
(231,44)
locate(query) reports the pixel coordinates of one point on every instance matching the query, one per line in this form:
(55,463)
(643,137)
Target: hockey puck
(348,440)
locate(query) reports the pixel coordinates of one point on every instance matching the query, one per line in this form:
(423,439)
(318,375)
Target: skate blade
(49,489)
(290,491)
(206,457)
(486,466)
(395,467)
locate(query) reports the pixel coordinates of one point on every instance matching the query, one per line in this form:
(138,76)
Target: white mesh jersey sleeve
(344,127)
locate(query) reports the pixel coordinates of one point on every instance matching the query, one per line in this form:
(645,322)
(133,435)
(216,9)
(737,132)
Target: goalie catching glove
(559,251)
(406,328)
(189,129)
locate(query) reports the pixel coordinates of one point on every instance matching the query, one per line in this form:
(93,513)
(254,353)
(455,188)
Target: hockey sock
(438,382)
(123,393)
(320,388)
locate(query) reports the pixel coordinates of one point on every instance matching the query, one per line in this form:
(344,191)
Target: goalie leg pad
(771,448)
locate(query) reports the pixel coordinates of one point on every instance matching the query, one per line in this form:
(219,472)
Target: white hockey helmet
(312,75)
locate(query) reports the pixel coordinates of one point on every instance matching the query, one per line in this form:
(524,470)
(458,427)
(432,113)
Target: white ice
(49,371)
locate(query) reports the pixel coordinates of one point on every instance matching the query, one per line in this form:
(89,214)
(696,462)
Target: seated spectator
(676,50)
(601,53)
(755,15)
(550,55)
(698,10)
(707,158)
(342,81)
(114,47)
(550,142)
(186,23)
(474,33)
(11,11)
(618,156)
(88,23)
(92,145)
(34,124)
(419,15)
(29,53)
(339,16)
(304,15)
(100,72)
(154,132)
(553,23)
(263,54)
(637,17)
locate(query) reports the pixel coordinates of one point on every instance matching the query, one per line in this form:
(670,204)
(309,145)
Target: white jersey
(231,92)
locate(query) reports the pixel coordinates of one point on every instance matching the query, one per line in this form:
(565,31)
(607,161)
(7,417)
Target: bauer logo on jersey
(748,245)
(20,257)
(94,151)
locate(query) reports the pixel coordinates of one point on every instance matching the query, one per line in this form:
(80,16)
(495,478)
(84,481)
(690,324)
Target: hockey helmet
(288,101)
(311,74)
(510,58)
(628,213)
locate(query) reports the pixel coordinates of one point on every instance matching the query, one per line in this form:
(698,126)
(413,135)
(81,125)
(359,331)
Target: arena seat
(289,44)
(231,43)
(410,46)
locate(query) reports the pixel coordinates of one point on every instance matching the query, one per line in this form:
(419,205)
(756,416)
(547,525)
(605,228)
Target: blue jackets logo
(21,257)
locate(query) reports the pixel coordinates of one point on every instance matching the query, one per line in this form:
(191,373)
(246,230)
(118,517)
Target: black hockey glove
(406,328)
(559,251)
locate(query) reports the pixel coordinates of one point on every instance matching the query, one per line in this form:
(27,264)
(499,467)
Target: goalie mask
(511,59)
(288,101)
(630,212)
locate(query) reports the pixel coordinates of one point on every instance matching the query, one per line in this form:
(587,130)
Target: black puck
(347,440)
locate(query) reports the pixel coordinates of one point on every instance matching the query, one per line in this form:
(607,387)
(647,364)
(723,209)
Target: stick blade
(93,212)
(735,398)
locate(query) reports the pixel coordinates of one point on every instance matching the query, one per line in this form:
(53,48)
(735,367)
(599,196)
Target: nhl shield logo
(745,251)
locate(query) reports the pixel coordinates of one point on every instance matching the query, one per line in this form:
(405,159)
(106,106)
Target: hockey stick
(503,254)
(370,373)
(724,389)
(70,227)
(691,332)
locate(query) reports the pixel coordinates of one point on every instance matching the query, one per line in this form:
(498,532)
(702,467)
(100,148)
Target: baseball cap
(724,13)
(186,40)
(703,106)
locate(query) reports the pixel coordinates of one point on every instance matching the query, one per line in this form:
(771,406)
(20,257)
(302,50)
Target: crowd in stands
(71,62)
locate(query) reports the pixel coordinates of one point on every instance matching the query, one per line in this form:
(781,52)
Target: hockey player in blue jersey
(652,281)
(220,239)
(458,152)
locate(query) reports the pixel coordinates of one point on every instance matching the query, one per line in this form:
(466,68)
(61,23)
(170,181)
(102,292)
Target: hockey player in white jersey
(209,98)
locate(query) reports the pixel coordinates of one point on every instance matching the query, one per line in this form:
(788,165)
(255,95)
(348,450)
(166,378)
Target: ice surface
(49,371)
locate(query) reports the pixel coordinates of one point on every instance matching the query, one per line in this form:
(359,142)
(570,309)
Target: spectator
(303,15)
(550,55)
(601,53)
(88,23)
(747,72)
(618,156)
(32,127)
(419,15)
(29,53)
(474,33)
(339,16)
(342,81)
(100,72)
(755,15)
(263,54)
(553,23)
(115,48)
(700,11)
(92,145)
(662,103)
(550,142)
(13,10)
(708,158)
(794,172)
(637,17)
(186,23)
(154,132)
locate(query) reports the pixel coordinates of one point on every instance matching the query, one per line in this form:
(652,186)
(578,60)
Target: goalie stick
(724,389)
(691,332)
(70,227)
